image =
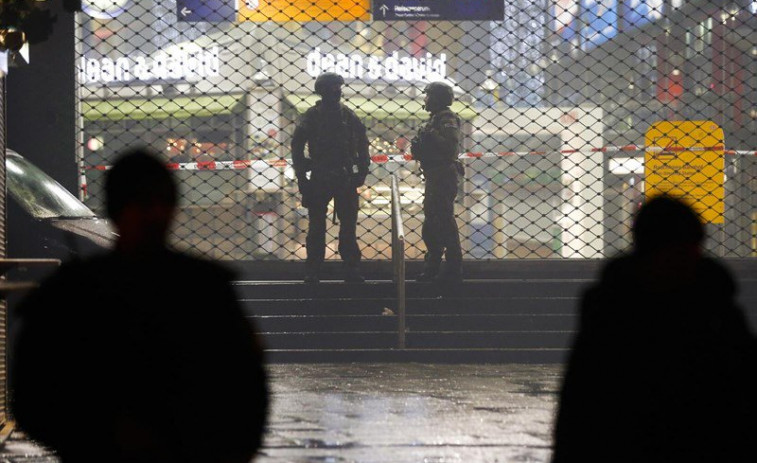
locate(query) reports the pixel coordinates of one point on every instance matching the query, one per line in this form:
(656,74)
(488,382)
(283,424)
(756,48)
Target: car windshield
(39,194)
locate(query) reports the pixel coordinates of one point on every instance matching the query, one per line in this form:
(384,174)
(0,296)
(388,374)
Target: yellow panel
(686,159)
(304,10)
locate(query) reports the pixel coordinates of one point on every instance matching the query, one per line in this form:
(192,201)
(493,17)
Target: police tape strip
(401,158)
(608,149)
(216,165)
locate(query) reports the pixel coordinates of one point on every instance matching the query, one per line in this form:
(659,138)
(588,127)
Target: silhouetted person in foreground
(142,354)
(663,367)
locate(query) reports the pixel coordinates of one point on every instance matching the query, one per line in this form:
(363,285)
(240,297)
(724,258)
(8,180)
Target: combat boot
(452,273)
(312,273)
(352,274)
(426,277)
(430,270)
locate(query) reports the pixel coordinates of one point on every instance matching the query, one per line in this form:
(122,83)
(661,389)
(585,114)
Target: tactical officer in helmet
(436,147)
(338,164)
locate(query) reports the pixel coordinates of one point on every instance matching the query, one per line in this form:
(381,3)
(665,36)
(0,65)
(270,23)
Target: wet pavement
(369,413)
(376,413)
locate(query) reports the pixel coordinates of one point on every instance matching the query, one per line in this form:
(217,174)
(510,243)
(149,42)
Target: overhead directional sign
(206,10)
(438,10)
(304,10)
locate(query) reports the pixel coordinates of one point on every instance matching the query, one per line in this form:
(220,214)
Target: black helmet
(441,91)
(326,79)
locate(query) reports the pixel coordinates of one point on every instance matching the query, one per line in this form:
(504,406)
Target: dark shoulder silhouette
(662,368)
(142,354)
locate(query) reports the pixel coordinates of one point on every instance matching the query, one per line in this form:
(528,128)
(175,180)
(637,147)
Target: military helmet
(441,91)
(326,79)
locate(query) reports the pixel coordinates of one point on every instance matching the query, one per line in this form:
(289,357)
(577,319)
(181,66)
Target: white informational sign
(4,63)
(438,10)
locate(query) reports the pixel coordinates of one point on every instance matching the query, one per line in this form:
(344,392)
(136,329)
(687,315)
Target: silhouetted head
(141,196)
(329,86)
(438,96)
(665,223)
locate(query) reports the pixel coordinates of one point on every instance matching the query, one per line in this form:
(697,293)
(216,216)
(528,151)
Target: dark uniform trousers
(324,187)
(440,232)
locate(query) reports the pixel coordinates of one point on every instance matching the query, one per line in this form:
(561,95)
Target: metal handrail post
(398,260)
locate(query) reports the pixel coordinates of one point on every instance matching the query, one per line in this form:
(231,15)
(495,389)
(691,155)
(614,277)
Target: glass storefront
(556,99)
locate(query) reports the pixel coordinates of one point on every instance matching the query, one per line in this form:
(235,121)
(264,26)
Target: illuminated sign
(600,19)
(393,67)
(440,10)
(176,65)
(104,9)
(565,14)
(303,10)
(601,22)
(206,10)
(636,13)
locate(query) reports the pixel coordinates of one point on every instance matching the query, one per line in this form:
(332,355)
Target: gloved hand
(416,147)
(303,184)
(358,180)
(460,168)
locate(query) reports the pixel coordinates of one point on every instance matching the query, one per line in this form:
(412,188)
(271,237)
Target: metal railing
(398,260)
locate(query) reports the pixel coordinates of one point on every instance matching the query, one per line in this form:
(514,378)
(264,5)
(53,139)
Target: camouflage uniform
(338,162)
(436,147)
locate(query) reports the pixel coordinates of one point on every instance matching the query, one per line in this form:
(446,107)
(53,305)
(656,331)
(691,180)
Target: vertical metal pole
(401,293)
(398,260)
(4,413)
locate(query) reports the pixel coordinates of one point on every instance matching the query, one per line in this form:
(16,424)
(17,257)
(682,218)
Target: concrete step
(382,270)
(427,322)
(415,339)
(503,312)
(535,356)
(325,323)
(354,321)
(538,288)
(419,306)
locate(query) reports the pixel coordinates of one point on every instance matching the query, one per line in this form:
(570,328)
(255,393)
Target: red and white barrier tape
(607,149)
(402,158)
(385,158)
(217,165)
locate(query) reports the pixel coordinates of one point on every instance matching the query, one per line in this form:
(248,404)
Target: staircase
(521,312)
(505,312)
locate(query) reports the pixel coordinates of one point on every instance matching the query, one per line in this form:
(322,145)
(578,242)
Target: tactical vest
(444,154)
(334,141)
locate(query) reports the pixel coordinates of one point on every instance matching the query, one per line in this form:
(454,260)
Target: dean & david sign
(391,68)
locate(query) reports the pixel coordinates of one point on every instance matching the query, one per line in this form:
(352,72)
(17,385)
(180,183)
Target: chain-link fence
(572,110)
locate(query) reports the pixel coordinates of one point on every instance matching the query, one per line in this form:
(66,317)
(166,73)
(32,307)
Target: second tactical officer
(436,147)
(338,164)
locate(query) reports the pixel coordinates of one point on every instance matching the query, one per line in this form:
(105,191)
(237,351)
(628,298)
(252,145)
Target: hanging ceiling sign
(438,10)
(213,11)
(303,10)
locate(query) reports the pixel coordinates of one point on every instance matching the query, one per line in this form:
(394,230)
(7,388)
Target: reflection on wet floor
(382,413)
(411,413)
